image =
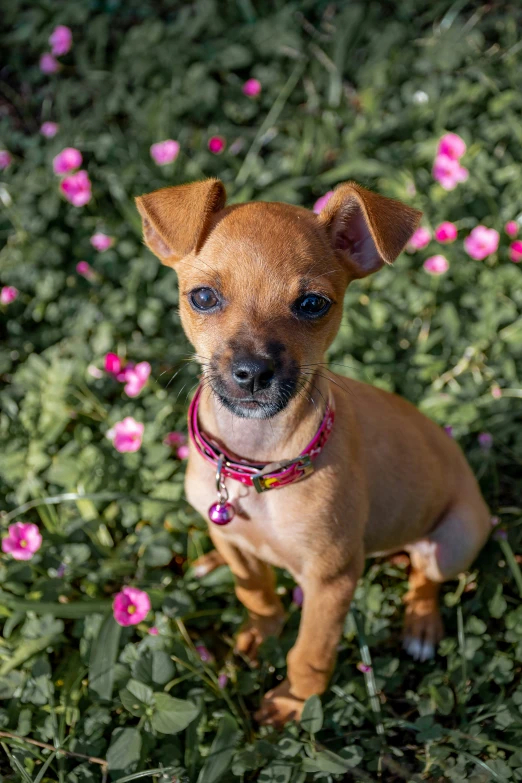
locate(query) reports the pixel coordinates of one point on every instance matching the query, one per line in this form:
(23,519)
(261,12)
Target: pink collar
(262,476)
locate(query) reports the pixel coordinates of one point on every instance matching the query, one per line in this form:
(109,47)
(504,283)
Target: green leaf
(312,716)
(154,667)
(103,658)
(125,750)
(443,698)
(221,751)
(172,715)
(136,697)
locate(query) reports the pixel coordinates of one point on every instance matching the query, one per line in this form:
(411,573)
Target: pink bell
(221,513)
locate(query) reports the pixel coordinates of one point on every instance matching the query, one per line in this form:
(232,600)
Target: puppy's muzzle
(253,373)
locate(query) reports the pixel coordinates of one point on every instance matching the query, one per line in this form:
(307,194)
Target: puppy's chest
(261,525)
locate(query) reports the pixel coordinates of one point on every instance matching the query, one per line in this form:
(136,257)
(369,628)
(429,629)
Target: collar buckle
(268,478)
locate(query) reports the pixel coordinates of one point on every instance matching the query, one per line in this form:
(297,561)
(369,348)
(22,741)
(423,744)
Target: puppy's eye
(311,306)
(204,299)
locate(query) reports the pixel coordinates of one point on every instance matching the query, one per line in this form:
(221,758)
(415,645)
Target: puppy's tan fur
(388,479)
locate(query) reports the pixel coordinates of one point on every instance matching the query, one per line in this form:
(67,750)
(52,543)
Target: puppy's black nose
(253,373)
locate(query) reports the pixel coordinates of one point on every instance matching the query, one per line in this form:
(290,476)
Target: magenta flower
(364,668)
(67,160)
(60,40)
(205,655)
(5,159)
(85,270)
(126,435)
(153,631)
(511,228)
(222,680)
(8,294)
(322,201)
(496,392)
(448,172)
(77,188)
(49,129)
(130,606)
(135,378)
(452,146)
(515,251)
(164,151)
(22,541)
(419,239)
(495,521)
(101,241)
(481,242)
(448,429)
(252,87)
(113,364)
(446,232)
(49,63)
(298,596)
(436,265)
(175,439)
(217,144)
(182,452)
(485,440)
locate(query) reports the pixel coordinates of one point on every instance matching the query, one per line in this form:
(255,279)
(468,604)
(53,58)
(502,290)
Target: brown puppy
(261,293)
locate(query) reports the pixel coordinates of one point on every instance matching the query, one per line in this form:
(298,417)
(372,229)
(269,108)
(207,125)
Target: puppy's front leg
(312,659)
(255,588)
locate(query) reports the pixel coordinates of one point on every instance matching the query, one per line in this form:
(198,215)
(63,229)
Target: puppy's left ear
(367,230)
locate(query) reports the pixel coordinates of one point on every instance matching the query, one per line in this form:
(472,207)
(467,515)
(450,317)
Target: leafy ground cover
(347,90)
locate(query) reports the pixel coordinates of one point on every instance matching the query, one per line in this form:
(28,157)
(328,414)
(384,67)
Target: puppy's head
(262,284)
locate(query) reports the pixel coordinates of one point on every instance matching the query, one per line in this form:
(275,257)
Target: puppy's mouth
(260,405)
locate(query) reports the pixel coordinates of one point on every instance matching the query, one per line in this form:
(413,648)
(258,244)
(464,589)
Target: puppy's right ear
(176,220)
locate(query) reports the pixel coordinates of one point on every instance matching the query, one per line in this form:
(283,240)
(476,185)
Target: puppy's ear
(368,230)
(176,220)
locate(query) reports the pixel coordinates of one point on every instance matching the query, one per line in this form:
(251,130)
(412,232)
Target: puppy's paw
(423,630)
(254,632)
(279,707)
(207,563)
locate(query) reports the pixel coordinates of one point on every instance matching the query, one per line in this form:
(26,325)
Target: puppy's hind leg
(444,554)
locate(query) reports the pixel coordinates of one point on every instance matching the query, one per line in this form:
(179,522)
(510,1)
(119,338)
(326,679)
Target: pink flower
(496,392)
(515,251)
(481,242)
(60,40)
(8,294)
(5,159)
(446,232)
(101,241)
(448,172)
(452,146)
(252,87)
(135,378)
(85,270)
(511,228)
(205,655)
(175,439)
(322,201)
(298,596)
(153,631)
(49,129)
(113,364)
(436,265)
(164,151)
(182,452)
(448,429)
(495,521)
(217,144)
(77,188)
(364,668)
(485,440)
(126,435)
(419,239)
(48,63)
(94,371)
(22,541)
(67,160)
(222,680)
(130,606)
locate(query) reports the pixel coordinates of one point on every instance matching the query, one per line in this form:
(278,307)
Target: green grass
(349,91)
